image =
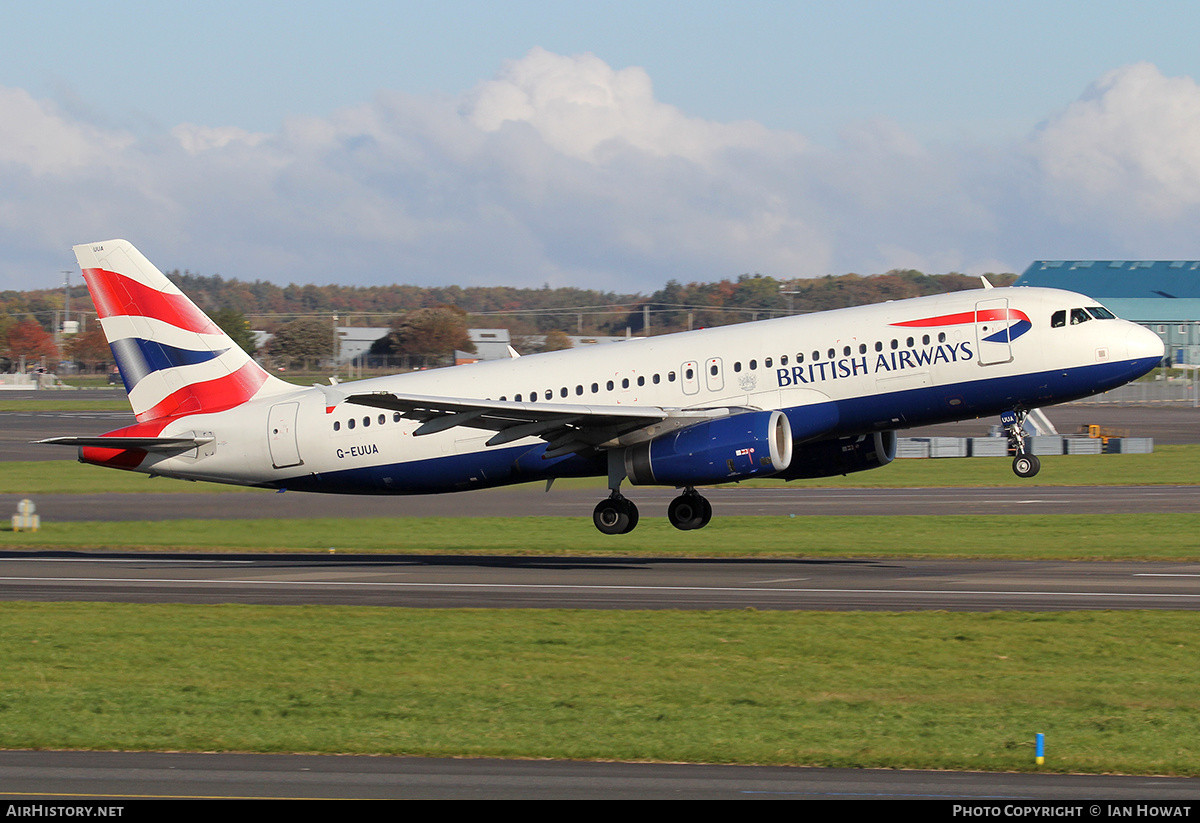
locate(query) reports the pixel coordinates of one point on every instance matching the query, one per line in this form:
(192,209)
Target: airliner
(794,397)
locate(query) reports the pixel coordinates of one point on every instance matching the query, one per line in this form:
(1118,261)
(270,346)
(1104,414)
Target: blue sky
(618,145)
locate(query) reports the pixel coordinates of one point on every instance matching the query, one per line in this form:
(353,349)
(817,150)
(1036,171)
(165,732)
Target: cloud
(1134,135)
(562,169)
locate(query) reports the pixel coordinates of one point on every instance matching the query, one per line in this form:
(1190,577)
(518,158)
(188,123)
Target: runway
(599,583)
(66,777)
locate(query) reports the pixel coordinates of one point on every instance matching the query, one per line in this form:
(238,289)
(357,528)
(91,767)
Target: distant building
(1162,295)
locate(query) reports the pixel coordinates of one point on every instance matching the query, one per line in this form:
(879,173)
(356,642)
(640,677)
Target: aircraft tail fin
(173,359)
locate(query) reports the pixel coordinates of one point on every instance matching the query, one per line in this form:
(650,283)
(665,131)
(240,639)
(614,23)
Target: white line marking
(545,586)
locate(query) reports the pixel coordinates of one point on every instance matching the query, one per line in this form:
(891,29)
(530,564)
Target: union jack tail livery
(173,359)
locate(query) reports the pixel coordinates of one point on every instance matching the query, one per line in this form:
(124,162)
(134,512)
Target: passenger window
(845,351)
(382,419)
(366,422)
(832,353)
(642,380)
(767,362)
(610,385)
(737,366)
(925,340)
(1058,319)
(656,380)
(337,426)
(350,423)
(878,346)
(753,365)
(783,360)
(670,377)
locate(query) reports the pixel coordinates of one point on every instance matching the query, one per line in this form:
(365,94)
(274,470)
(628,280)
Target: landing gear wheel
(615,515)
(689,511)
(1026,465)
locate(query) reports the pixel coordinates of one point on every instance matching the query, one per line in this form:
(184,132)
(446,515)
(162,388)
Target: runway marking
(135,560)
(1164,574)
(568,586)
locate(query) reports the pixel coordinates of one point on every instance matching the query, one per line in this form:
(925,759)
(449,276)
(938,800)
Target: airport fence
(1170,392)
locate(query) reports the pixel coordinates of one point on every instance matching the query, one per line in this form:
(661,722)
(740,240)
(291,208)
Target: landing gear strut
(1024,465)
(689,510)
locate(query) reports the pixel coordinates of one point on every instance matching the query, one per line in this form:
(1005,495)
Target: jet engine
(744,445)
(842,456)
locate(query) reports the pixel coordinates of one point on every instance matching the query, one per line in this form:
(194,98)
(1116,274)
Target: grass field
(1111,691)
(1174,536)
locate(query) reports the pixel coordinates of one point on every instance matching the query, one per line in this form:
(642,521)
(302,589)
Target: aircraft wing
(566,427)
(148,444)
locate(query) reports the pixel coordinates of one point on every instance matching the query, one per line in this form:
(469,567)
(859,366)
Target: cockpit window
(1058,319)
(1079,316)
(1101,313)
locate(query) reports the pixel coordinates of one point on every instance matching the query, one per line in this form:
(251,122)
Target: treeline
(240,305)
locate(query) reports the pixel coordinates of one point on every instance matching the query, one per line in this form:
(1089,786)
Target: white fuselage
(868,369)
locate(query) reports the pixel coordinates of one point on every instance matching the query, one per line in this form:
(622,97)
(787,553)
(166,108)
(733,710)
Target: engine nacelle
(842,456)
(716,451)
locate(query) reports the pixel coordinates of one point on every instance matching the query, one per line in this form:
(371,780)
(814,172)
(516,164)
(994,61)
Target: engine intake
(750,444)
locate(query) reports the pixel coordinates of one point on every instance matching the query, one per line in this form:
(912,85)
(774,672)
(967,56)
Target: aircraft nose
(1141,342)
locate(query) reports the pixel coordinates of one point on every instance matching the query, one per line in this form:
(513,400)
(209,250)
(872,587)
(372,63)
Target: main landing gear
(617,514)
(689,510)
(1024,465)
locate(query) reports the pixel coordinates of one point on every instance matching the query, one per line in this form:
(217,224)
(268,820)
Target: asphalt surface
(67,777)
(599,583)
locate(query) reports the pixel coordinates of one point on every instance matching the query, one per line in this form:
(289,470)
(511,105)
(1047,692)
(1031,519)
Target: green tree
(235,324)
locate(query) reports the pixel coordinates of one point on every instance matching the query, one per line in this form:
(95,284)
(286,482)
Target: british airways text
(884,362)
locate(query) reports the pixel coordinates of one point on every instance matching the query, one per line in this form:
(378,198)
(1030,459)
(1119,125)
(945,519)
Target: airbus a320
(794,397)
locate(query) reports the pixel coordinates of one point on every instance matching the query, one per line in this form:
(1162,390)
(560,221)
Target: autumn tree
(430,334)
(29,340)
(90,348)
(306,338)
(556,340)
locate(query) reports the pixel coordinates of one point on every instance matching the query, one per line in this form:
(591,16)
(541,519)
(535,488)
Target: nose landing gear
(1024,465)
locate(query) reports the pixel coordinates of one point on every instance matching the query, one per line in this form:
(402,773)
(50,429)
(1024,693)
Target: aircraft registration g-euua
(794,397)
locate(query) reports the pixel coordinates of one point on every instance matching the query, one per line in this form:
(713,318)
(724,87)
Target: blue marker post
(1041,748)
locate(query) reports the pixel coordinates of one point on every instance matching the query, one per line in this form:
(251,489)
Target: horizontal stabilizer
(147,444)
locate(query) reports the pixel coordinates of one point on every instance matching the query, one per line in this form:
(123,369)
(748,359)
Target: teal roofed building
(1163,295)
